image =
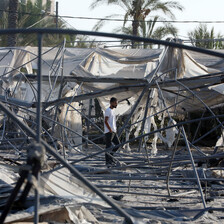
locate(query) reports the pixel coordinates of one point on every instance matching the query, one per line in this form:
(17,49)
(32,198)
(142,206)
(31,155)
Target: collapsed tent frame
(38,106)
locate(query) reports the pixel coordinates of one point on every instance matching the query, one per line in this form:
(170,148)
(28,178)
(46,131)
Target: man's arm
(106,122)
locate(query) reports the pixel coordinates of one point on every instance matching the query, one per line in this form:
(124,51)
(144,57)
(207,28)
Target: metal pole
(87,121)
(199,124)
(39,80)
(141,136)
(132,111)
(194,168)
(72,169)
(62,84)
(112,35)
(171,162)
(144,119)
(158,66)
(56,15)
(206,106)
(12,197)
(56,109)
(38,121)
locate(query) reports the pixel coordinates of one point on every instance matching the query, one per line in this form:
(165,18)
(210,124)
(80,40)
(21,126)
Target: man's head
(113,102)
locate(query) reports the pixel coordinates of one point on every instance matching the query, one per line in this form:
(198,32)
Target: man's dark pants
(111,137)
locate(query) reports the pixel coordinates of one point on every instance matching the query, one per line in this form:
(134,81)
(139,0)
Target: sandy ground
(138,184)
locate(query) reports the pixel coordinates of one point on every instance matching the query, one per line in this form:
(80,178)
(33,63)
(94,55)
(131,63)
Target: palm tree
(35,15)
(3,6)
(204,38)
(31,15)
(3,21)
(138,10)
(12,20)
(149,30)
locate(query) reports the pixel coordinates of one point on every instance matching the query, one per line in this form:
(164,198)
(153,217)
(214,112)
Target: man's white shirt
(110,113)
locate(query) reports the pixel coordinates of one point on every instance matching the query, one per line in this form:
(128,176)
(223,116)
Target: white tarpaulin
(173,63)
(119,63)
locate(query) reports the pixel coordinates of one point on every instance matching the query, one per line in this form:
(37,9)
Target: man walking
(110,130)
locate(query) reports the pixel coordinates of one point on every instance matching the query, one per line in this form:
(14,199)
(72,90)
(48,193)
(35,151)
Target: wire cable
(119,20)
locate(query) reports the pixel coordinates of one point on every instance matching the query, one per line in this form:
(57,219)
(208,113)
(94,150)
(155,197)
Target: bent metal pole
(73,170)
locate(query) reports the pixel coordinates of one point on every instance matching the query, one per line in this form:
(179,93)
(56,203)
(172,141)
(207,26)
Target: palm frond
(202,37)
(102,22)
(100,2)
(126,16)
(166,7)
(124,30)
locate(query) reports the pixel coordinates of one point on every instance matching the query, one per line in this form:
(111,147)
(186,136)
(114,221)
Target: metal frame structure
(34,161)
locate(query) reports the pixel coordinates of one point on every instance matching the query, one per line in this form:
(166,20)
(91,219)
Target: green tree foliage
(148,29)
(202,37)
(36,15)
(3,21)
(139,10)
(12,21)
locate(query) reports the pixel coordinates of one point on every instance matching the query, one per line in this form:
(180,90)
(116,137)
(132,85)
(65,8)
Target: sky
(200,10)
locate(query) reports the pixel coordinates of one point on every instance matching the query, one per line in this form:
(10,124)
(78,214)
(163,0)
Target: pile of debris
(156,90)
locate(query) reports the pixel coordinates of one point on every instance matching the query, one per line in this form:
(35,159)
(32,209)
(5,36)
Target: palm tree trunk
(135,26)
(12,21)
